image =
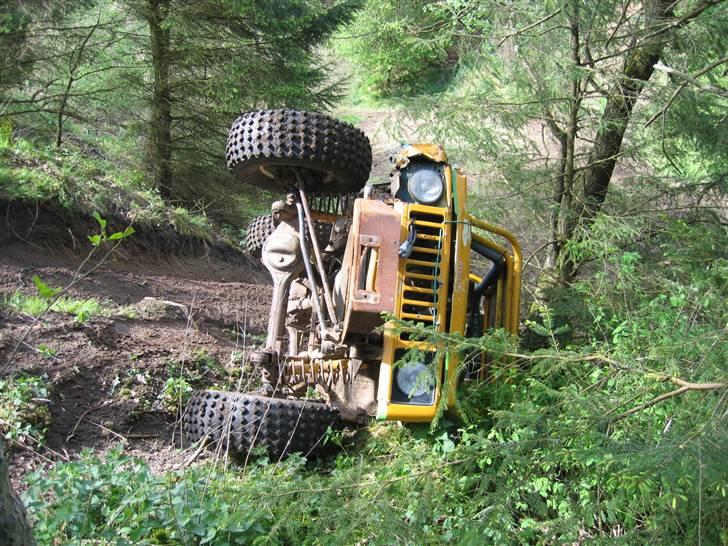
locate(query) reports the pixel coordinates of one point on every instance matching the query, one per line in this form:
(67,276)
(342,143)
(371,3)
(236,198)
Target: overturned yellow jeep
(349,260)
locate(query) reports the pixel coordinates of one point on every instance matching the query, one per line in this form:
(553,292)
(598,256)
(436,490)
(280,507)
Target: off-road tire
(257,233)
(241,421)
(262,227)
(334,156)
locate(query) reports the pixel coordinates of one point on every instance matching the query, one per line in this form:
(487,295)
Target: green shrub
(81,308)
(175,394)
(389,56)
(23,408)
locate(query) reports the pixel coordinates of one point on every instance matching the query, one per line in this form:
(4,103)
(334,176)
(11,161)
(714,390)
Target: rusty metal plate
(371,264)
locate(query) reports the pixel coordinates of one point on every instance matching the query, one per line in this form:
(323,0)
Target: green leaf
(95,239)
(122,234)
(43,289)
(100,220)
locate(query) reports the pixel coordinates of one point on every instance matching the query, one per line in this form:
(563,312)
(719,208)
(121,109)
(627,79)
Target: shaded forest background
(596,130)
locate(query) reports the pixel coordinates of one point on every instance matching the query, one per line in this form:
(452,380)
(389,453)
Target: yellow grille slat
(412,316)
(422,276)
(419,290)
(424,223)
(433,265)
(425,250)
(418,303)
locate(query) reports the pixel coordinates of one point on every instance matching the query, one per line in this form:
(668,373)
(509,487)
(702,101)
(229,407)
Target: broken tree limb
(685,386)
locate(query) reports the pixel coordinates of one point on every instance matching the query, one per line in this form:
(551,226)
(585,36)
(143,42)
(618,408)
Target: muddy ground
(168,309)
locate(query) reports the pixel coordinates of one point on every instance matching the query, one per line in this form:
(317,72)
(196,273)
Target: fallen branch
(73,432)
(685,386)
(197,452)
(706,87)
(102,427)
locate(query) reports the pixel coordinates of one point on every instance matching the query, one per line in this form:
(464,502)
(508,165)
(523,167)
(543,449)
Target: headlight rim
(426,172)
(412,380)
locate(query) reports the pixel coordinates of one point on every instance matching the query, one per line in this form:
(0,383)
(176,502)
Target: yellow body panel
(459,299)
(392,341)
(452,245)
(433,151)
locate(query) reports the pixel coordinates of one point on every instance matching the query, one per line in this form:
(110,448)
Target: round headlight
(414,379)
(425,186)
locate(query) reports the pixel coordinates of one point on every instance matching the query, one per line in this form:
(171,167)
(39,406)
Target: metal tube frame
(309,271)
(316,251)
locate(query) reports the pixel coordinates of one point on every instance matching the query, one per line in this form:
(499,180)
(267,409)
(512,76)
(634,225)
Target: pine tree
(584,72)
(211,59)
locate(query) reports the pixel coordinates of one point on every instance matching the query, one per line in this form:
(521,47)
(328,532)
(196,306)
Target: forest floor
(164,307)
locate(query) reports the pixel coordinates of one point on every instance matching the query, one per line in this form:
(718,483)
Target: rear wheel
(265,146)
(241,421)
(257,233)
(262,227)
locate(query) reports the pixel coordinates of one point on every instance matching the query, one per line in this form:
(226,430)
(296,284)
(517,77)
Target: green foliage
(548,454)
(46,351)
(199,370)
(23,408)
(103,237)
(354,119)
(394,48)
(118,499)
(83,183)
(80,74)
(81,308)
(582,440)
(196,225)
(175,394)
(44,290)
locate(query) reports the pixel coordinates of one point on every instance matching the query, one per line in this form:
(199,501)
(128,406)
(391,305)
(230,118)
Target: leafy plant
(23,408)
(81,308)
(48,352)
(175,394)
(103,237)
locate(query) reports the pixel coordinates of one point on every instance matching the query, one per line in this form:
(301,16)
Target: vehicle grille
(424,272)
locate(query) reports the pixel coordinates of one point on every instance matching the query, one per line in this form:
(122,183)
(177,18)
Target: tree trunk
(14,528)
(161,99)
(623,94)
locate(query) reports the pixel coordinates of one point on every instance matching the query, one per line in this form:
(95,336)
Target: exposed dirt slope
(169,304)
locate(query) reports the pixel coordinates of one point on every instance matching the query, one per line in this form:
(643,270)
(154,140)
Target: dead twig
(529,27)
(683,85)
(102,427)
(84,414)
(196,453)
(685,386)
